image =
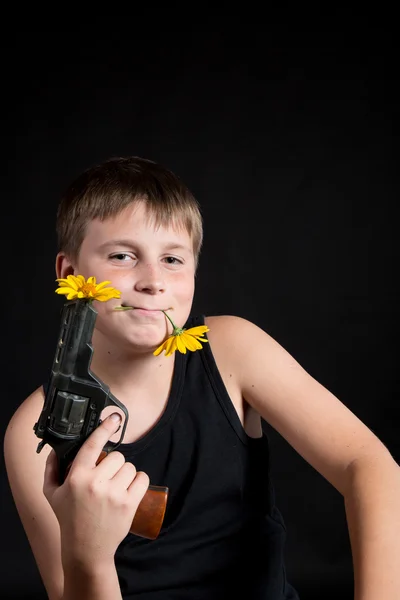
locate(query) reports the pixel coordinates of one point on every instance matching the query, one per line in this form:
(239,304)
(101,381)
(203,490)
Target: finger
(50,480)
(93,446)
(110,465)
(139,487)
(125,475)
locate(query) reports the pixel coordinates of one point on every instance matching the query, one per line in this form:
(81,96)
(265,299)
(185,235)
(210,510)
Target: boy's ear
(64,266)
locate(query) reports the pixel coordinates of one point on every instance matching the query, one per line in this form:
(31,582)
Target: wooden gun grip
(149,515)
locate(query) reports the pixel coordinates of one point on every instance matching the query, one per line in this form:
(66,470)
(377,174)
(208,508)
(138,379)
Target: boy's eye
(172,260)
(122,256)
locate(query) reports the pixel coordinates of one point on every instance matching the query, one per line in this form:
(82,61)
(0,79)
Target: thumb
(50,481)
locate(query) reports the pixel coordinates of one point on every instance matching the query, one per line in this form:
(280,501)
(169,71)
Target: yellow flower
(75,286)
(186,339)
(183,339)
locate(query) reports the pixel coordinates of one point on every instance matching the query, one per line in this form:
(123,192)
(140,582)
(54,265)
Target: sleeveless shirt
(222,533)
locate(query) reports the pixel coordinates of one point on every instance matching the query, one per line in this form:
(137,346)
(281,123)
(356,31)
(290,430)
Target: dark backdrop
(290,144)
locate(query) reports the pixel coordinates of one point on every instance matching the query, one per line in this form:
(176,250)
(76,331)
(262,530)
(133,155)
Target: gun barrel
(74,350)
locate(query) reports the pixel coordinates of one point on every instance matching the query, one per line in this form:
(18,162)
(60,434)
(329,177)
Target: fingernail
(116,417)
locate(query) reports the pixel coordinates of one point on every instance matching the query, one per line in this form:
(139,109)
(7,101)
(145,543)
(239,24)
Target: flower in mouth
(181,339)
(76,286)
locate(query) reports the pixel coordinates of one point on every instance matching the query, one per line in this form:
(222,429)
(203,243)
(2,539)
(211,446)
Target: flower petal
(106,294)
(180,344)
(161,348)
(91,280)
(73,282)
(190,342)
(62,281)
(64,290)
(199,330)
(102,285)
(172,346)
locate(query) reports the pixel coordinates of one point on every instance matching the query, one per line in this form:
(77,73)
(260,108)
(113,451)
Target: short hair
(104,190)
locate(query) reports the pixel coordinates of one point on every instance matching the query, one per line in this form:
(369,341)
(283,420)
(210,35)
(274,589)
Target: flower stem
(177,330)
(170,320)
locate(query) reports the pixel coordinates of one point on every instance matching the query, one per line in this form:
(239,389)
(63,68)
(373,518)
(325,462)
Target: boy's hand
(96,504)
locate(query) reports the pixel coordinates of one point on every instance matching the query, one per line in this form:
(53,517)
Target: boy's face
(154,269)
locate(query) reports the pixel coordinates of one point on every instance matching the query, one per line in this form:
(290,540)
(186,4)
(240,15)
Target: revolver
(74,400)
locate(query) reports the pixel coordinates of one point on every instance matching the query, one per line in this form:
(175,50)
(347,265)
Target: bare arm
(372,503)
(92,584)
(330,438)
(25,471)
(73,529)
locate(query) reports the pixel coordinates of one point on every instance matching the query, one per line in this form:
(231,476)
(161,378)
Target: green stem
(177,330)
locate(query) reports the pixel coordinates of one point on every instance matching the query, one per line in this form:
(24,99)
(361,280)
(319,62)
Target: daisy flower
(75,286)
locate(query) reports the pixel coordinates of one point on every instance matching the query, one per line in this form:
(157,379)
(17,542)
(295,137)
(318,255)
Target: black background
(289,141)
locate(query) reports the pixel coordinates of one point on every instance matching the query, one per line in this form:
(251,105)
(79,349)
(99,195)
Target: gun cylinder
(68,414)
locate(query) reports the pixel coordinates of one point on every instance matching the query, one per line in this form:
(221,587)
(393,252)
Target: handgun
(74,400)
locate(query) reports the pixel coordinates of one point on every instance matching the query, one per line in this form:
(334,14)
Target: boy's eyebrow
(131,243)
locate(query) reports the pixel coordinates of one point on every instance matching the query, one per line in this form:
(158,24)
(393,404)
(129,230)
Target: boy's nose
(150,280)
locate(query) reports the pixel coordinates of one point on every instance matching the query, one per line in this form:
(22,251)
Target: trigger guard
(110,446)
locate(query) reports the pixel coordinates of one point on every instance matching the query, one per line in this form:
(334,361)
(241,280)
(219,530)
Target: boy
(194,424)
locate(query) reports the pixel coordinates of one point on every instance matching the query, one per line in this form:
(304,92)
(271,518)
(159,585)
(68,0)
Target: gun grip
(149,515)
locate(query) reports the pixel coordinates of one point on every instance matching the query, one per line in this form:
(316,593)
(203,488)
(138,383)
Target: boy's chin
(143,345)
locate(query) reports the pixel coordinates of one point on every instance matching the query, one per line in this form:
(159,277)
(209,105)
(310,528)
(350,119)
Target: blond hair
(104,190)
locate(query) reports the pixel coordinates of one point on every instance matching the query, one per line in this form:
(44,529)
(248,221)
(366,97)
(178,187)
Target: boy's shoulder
(23,420)
(235,331)
(235,341)
(227,322)
(30,406)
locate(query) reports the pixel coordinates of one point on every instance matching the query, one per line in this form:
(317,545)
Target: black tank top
(222,534)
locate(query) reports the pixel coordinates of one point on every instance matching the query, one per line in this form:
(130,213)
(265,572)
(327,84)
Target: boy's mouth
(123,307)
